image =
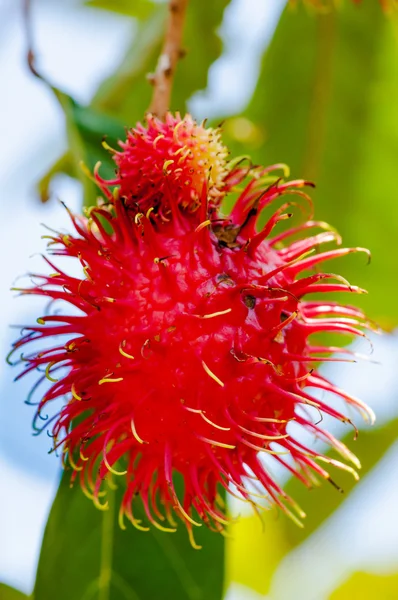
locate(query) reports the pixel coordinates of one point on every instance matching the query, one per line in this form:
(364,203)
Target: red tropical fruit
(190,344)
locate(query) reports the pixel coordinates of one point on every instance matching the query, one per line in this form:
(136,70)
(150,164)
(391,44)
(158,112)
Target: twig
(31,55)
(27,20)
(163,77)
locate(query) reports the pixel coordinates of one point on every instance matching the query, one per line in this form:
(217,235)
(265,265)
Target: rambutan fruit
(190,343)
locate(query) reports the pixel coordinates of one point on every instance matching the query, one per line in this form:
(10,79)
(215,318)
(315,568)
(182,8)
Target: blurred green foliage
(85,554)
(140,9)
(279,535)
(367,585)
(9,593)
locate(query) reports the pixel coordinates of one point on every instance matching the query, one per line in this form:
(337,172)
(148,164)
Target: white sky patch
(24,505)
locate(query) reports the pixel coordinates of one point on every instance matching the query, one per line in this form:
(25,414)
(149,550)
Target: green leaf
(140,9)
(202,45)
(86,128)
(254,564)
(367,587)
(77,146)
(64,164)
(126,94)
(86,556)
(324,105)
(93,127)
(9,593)
(254,549)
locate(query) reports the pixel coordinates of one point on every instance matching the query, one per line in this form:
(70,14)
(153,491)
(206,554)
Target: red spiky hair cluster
(178,157)
(190,344)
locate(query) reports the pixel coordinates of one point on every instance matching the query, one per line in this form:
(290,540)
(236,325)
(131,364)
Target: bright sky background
(76,48)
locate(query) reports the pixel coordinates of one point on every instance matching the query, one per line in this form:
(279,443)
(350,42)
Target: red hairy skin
(190,350)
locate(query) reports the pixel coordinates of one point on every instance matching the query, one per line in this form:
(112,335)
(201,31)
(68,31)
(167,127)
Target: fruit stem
(163,77)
